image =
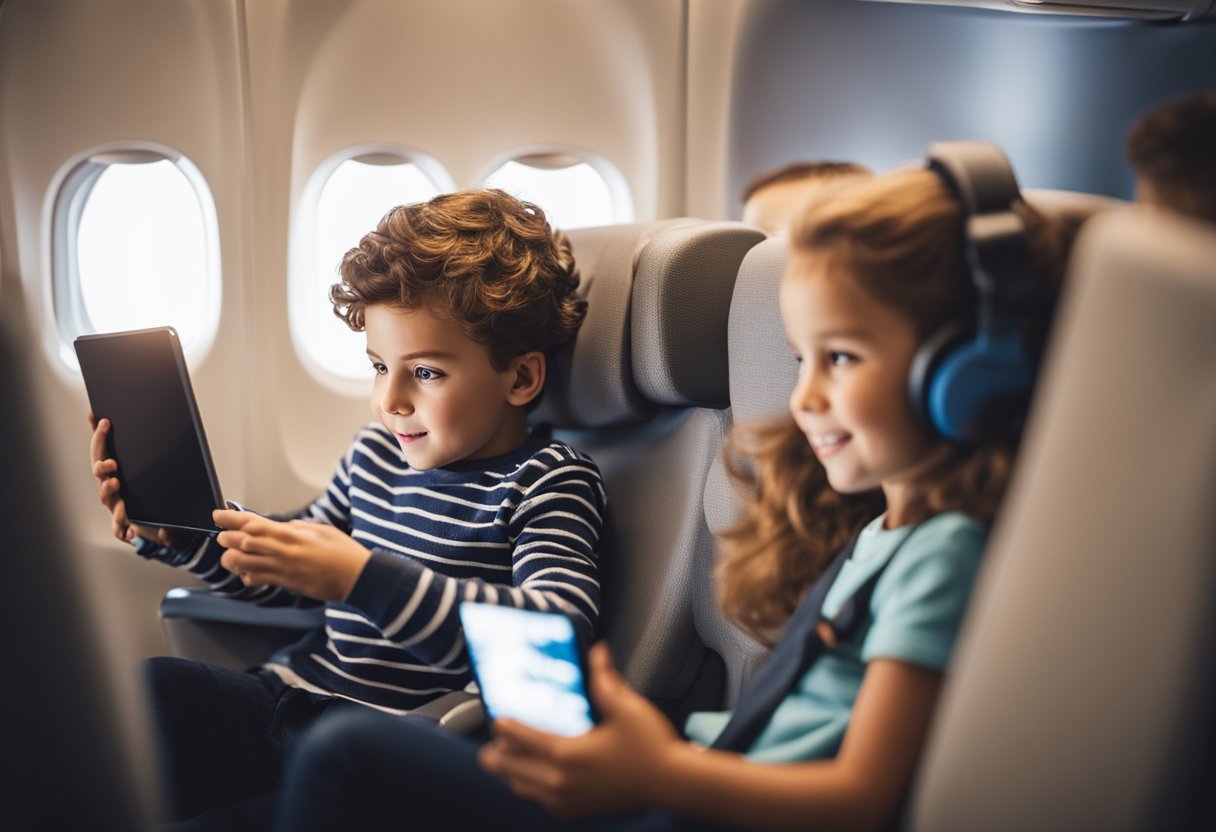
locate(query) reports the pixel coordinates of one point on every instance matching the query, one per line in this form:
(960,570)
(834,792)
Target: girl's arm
(634,760)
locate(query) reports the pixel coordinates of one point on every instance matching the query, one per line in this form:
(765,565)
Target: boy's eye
(840,359)
(426,374)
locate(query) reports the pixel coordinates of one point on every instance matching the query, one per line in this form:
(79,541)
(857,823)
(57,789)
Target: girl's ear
(528,371)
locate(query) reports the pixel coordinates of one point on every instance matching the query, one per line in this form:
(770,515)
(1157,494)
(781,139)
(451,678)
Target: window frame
(65,296)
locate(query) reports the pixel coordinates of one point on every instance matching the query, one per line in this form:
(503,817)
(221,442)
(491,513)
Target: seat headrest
(762,367)
(590,381)
(682,294)
(658,297)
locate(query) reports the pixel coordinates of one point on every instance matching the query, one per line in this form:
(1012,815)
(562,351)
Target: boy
(1171,150)
(446,498)
(773,197)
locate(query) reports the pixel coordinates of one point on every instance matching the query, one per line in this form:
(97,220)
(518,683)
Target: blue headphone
(967,383)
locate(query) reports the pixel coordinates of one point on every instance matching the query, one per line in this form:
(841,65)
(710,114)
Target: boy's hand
(313,559)
(106,472)
(612,768)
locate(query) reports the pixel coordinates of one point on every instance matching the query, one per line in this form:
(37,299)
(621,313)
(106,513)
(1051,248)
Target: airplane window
(573,192)
(136,246)
(350,197)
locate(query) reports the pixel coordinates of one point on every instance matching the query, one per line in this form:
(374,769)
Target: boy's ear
(528,371)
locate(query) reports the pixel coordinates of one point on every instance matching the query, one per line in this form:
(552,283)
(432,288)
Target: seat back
(74,755)
(643,391)
(761,375)
(1082,687)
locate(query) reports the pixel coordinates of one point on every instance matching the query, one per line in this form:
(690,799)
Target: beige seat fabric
(1081,694)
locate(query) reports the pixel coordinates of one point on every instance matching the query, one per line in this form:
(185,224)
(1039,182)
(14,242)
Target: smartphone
(529,666)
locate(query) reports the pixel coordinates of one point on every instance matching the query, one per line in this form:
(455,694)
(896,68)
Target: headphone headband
(982,178)
(965,383)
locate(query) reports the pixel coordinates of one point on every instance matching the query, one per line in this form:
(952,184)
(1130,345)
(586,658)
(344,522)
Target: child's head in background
(774,197)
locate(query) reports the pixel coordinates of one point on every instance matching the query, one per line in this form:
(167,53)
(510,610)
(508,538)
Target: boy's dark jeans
(222,737)
(371,771)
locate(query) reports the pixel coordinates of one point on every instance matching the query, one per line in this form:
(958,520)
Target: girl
(875,269)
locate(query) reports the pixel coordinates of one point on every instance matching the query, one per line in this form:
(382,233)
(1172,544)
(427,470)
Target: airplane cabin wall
(75,77)
(686,98)
(466,83)
(875,83)
(258,95)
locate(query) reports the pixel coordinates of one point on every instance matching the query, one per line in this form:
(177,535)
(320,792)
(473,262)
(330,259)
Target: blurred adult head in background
(1172,149)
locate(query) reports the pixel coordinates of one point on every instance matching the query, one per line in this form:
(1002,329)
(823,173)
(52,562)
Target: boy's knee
(164,674)
(337,742)
(356,738)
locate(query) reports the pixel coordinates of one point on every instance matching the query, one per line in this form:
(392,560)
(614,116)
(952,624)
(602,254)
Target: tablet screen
(138,381)
(528,666)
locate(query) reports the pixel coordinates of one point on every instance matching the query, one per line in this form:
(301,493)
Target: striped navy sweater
(522,529)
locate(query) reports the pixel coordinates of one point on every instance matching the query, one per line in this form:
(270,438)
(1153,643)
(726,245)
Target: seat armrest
(201,625)
(205,605)
(460,712)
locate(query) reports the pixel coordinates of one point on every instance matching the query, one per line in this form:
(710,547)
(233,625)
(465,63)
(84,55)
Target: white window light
(136,244)
(574,191)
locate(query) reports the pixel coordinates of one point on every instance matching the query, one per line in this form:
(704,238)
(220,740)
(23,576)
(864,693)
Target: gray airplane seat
(75,754)
(761,375)
(644,392)
(1081,692)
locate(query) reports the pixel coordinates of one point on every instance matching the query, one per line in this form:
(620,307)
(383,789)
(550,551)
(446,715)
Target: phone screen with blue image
(529,666)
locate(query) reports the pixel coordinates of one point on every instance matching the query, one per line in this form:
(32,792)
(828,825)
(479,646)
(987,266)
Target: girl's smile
(850,400)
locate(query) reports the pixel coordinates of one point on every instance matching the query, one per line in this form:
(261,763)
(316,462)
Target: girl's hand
(614,767)
(106,472)
(313,559)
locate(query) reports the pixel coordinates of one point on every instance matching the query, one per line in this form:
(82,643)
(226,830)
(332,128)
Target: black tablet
(529,666)
(138,380)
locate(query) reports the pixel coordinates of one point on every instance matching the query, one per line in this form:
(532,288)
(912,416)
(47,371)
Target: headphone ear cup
(929,357)
(972,388)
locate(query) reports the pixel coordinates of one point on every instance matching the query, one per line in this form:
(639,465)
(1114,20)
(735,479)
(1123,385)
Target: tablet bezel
(113,393)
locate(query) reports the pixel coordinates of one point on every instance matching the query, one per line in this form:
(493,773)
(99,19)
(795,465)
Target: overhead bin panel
(1140,9)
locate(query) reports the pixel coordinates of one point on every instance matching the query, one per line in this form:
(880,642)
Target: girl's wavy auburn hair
(483,257)
(901,236)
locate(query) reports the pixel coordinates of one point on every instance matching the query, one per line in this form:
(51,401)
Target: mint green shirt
(915,614)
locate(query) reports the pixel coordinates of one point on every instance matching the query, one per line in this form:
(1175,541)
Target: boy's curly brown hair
(485,258)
